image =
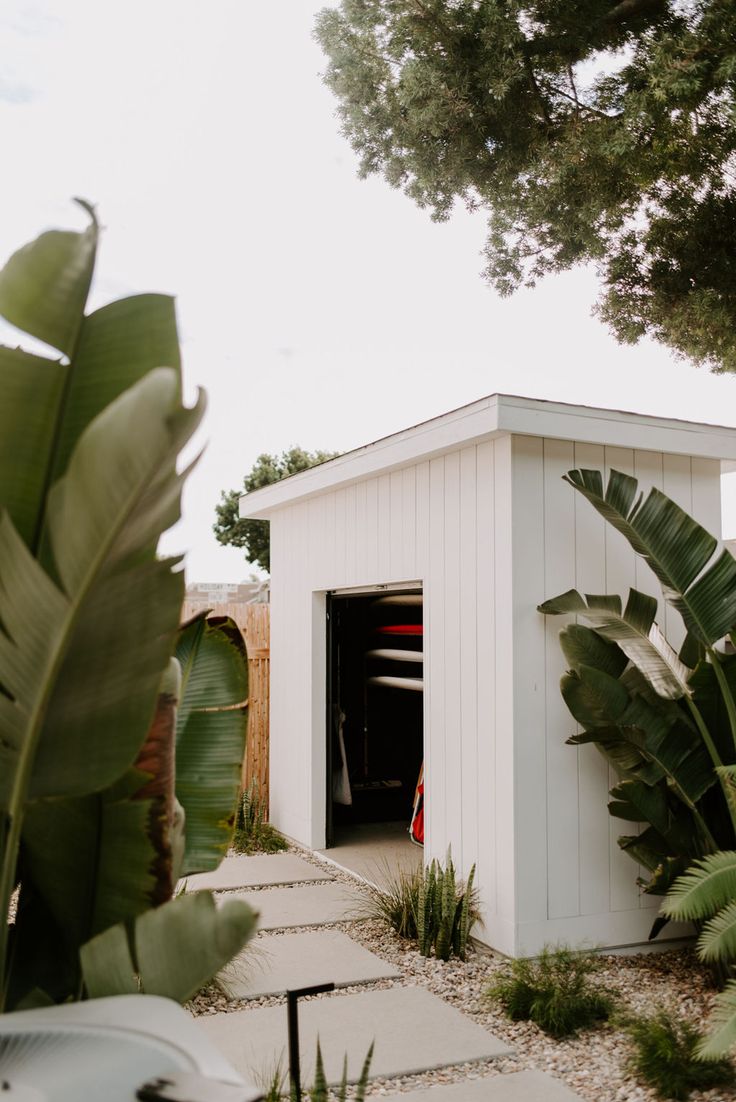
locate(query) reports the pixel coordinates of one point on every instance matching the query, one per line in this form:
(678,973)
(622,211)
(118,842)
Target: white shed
(465,520)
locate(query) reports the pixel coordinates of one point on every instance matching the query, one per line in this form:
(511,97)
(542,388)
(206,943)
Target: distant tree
(253,535)
(601,131)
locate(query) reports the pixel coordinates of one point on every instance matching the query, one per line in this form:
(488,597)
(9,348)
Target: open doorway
(375,728)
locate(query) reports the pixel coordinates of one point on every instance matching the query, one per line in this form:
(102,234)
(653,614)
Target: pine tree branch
(579,104)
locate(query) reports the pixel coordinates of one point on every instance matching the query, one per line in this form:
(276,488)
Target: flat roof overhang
(489,418)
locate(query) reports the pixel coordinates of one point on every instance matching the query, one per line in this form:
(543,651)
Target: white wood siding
(489,530)
(579,885)
(433,523)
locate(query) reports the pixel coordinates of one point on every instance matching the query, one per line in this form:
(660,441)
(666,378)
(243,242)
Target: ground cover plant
(253,833)
(428,905)
(666,1058)
(89,616)
(554,992)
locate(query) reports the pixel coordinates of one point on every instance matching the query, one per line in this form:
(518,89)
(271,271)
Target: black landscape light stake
(292,1012)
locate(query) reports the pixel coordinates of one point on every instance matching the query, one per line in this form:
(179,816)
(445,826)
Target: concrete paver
(256,871)
(306,905)
(517,1086)
(271,965)
(413,1031)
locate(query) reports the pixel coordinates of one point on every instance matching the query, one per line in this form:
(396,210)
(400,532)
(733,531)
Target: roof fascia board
(461,428)
(615,428)
(497,415)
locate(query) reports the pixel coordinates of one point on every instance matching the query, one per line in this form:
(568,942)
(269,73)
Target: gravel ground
(593,1064)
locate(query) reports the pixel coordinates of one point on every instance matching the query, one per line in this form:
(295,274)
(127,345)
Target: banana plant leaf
(48,403)
(708,697)
(678,549)
(93,861)
(211,728)
(583,646)
(660,734)
(172,951)
(82,653)
(634,631)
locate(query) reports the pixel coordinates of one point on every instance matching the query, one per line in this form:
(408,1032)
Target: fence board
(254,622)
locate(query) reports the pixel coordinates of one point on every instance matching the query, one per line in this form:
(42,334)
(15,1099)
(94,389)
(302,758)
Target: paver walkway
(303,905)
(257,871)
(412,1029)
(271,965)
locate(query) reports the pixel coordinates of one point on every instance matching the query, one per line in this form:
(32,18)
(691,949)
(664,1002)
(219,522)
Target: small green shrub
(553,991)
(665,1056)
(252,833)
(429,906)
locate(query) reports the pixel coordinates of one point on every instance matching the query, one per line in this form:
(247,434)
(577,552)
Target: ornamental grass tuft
(665,1056)
(554,992)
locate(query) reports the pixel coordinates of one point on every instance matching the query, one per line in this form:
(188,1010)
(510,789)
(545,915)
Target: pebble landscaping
(593,1065)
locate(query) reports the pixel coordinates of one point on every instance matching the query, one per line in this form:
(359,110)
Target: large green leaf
(44,285)
(211,727)
(671,742)
(81,658)
(634,631)
(709,700)
(638,802)
(584,647)
(86,656)
(676,547)
(32,389)
(177,948)
(595,698)
(90,858)
(98,860)
(47,404)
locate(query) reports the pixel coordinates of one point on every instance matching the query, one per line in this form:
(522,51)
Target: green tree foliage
(253,535)
(602,132)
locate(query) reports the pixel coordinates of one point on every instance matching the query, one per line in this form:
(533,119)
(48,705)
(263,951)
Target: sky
(315,308)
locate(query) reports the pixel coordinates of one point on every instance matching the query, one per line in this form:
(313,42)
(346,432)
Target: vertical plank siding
(254,622)
(489,531)
(591,884)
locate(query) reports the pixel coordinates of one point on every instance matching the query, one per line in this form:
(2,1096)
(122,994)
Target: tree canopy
(602,131)
(253,535)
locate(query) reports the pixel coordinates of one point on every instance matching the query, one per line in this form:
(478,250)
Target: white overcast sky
(315,308)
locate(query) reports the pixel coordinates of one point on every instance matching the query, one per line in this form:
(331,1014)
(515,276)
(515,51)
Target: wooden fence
(254,622)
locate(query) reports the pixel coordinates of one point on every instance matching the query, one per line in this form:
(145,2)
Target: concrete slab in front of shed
(271,965)
(413,1031)
(517,1086)
(256,871)
(307,905)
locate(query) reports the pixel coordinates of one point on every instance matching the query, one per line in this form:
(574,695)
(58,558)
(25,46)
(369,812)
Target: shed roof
(488,418)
